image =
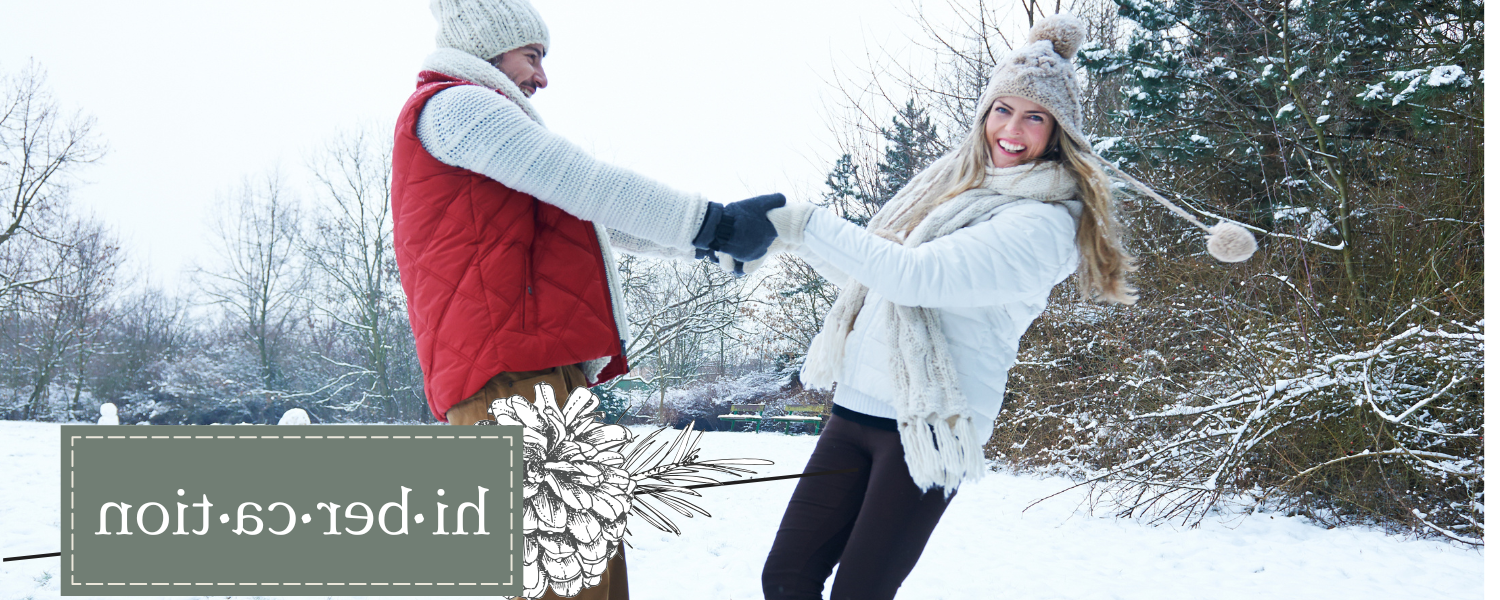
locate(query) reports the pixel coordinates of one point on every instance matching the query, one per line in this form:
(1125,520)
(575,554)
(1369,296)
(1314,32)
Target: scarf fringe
(939,456)
(824,363)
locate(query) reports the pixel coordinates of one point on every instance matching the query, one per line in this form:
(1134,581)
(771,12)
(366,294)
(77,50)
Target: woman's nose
(1011,125)
(540,78)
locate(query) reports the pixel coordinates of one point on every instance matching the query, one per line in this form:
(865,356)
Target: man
(503,229)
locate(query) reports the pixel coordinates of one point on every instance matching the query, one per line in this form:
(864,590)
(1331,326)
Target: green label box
(328,510)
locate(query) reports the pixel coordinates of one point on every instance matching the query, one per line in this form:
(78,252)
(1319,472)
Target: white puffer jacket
(989,281)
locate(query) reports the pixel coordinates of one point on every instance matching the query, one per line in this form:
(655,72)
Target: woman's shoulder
(1032,224)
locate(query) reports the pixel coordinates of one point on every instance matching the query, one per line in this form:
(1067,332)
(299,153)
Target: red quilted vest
(496,280)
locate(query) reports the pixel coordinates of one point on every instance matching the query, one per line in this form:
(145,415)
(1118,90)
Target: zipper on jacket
(528,304)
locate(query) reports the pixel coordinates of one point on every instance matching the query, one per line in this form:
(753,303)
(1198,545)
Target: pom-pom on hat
(1227,241)
(1230,243)
(488,28)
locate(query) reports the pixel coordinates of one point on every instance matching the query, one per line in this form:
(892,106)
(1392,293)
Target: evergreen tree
(847,193)
(1280,106)
(911,143)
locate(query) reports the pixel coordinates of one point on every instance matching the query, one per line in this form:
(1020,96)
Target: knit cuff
(710,229)
(790,221)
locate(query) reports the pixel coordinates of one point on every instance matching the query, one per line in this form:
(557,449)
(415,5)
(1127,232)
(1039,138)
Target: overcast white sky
(729,99)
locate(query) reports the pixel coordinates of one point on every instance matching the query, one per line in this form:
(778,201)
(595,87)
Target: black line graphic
(760,479)
(30,556)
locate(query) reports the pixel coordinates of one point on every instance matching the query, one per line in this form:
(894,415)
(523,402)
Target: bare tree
(88,290)
(259,280)
(40,151)
(147,331)
(676,310)
(790,312)
(357,284)
(58,322)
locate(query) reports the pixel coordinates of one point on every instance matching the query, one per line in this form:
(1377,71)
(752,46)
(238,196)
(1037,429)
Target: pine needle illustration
(660,470)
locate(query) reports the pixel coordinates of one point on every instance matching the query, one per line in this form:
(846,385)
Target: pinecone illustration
(580,486)
(576,491)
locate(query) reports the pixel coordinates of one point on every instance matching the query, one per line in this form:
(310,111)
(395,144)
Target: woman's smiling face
(1017,130)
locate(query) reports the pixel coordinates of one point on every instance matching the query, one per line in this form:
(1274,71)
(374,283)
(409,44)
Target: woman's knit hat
(488,28)
(1042,71)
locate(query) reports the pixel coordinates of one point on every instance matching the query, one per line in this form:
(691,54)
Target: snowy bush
(1165,409)
(703,401)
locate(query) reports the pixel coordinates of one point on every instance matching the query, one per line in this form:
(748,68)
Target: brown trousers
(613,585)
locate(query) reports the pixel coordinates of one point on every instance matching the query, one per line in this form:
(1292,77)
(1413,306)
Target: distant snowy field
(985,547)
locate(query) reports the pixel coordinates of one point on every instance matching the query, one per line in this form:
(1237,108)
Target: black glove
(739,229)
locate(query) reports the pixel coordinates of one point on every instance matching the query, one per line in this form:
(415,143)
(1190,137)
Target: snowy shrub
(704,400)
(613,403)
(1165,410)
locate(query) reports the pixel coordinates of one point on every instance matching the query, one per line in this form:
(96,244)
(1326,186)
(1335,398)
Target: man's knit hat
(487,28)
(1041,71)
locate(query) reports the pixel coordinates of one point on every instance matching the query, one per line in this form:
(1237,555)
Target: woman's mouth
(1010,148)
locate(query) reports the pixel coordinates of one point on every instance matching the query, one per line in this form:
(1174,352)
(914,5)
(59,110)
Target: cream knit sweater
(477,129)
(474,128)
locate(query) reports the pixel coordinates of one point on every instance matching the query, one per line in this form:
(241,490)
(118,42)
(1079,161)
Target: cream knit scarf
(470,68)
(939,437)
(465,66)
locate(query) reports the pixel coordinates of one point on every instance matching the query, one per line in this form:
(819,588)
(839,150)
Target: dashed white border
(72,464)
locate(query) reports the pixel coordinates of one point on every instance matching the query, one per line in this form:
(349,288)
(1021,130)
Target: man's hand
(739,229)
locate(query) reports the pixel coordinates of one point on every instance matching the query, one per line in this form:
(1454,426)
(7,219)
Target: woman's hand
(738,268)
(790,221)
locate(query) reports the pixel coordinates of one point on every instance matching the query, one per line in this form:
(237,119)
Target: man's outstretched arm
(477,129)
(640,246)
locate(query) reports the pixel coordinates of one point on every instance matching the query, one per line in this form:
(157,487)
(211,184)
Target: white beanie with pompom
(1042,71)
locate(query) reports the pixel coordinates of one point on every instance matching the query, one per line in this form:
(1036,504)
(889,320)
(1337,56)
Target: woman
(937,292)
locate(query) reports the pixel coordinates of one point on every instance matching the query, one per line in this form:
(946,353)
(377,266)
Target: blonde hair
(1103,260)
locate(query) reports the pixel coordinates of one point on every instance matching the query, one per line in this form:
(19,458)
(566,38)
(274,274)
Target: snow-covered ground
(985,547)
